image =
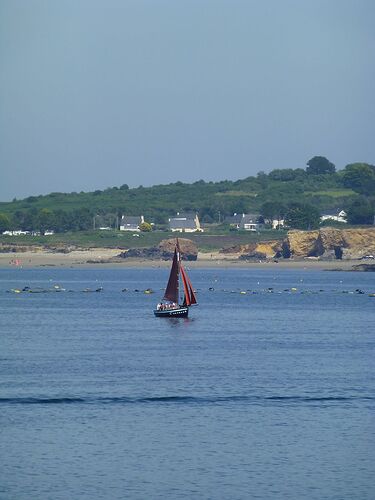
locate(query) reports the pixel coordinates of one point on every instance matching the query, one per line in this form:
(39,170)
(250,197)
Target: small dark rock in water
(253,256)
(369,268)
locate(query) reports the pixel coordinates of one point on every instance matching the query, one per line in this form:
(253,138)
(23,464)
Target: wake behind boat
(169,306)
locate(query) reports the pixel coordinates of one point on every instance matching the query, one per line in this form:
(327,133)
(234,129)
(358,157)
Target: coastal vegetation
(297,195)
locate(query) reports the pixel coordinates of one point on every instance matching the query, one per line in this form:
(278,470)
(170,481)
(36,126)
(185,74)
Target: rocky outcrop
(257,250)
(19,248)
(331,243)
(302,243)
(164,251)
(15,248)
(359,242)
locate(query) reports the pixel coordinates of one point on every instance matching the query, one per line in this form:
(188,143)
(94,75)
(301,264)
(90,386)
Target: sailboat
(169,305)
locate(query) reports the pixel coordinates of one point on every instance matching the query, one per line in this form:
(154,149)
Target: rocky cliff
(330,243)
(326,243)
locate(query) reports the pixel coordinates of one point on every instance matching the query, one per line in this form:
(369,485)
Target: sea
(266,391)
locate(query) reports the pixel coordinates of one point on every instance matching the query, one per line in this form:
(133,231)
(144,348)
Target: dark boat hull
(181,312)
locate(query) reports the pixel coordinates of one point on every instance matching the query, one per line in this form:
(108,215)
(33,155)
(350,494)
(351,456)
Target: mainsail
(171,292)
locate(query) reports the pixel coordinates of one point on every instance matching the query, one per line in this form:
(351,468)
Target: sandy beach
(99,258)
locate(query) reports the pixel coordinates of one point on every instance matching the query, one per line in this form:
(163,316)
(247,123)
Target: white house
(245,222)
(131,223)
(250,222)
(334,215)
(185,223)
(278,223)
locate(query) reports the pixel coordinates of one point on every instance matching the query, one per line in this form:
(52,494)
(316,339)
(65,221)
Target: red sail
(190,297)
(171,292)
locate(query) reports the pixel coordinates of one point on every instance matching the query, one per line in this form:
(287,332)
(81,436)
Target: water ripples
(186,400)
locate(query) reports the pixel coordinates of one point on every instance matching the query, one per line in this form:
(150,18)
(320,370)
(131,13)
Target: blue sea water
(264,394)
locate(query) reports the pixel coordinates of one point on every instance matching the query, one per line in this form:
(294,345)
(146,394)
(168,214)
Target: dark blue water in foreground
(258,395)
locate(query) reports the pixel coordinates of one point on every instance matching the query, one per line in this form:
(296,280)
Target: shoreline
(99,258)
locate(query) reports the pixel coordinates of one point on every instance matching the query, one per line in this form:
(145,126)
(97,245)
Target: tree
(262,179)
(286,174)
(45,220)
(320,165)
(25,219)
(145,227)
(360,211)
(4,223)
(207,219)
(302,216)
(81,219)
(360,177)
(62,221)
(160,218)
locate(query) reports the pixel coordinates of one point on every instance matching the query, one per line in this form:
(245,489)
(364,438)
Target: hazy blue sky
(101,93)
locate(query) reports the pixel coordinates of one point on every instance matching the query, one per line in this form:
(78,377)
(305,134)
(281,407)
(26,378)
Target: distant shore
(101,258)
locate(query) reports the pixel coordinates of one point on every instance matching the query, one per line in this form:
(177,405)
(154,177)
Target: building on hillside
(244,222)
(185,223)
(131,223)
(250,222)
(278,223)
(336,215)
(19,232)
(234,220)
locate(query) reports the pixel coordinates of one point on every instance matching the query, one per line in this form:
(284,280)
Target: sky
(95,94)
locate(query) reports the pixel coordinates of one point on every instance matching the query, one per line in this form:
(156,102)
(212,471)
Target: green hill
(320,187)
